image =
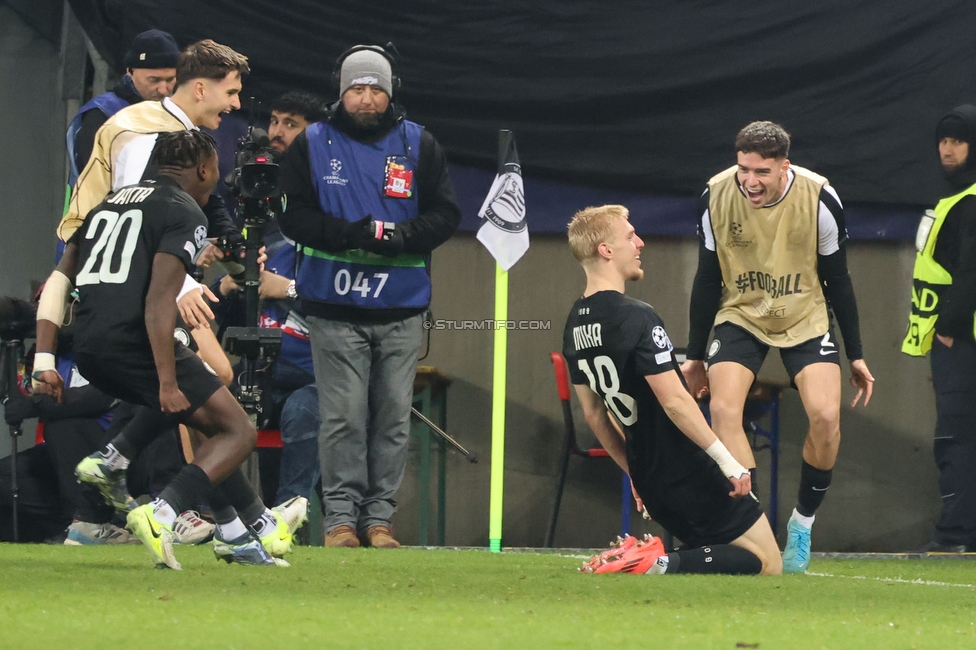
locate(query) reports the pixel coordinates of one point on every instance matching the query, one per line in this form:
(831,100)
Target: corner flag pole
(499,385)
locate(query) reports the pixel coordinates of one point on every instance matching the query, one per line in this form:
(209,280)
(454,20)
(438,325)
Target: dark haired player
(620,359)
(128,260)
(772,265)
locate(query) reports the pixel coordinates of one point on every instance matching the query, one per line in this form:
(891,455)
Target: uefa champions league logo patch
(200,236)
(660,338)
(334,178)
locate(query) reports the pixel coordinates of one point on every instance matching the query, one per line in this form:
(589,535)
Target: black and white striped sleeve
(831,227)
(832,269)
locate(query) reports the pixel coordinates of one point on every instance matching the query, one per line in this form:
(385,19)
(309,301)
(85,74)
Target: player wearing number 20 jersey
(117,244)
(611,343)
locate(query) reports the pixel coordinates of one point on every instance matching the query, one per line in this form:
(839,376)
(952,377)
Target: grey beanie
(366,68)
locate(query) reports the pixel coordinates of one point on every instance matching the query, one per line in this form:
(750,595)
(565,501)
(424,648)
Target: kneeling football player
(621,360)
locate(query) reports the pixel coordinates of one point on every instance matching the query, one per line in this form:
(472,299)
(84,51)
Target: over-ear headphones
(394,77)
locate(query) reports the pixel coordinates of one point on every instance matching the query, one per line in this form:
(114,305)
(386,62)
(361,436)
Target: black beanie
(959,123)
(152,49)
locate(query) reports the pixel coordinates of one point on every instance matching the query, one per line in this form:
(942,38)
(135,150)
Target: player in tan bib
(772,266)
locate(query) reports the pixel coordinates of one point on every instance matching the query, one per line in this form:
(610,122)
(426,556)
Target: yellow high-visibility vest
(929,279)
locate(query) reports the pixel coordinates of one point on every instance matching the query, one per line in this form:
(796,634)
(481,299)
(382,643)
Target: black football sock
(813,487)
(220,507)
(755,481)
(720,558)
(242,496)
(187,489)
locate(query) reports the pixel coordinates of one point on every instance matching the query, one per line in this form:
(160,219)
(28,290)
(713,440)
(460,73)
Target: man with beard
(369,199)
(772,266)
(943,320)
(290,114)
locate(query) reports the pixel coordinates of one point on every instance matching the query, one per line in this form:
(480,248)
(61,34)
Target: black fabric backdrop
(637,96)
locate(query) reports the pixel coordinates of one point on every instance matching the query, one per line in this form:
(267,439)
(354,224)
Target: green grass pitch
(111,597)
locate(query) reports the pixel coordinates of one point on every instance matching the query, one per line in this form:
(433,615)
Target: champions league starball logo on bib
(334,178)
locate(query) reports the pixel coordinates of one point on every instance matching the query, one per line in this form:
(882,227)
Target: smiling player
(772,266)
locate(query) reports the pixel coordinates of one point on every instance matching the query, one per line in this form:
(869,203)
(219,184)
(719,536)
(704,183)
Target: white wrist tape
(54,298)
(729,465)
(189,284)
(43,361)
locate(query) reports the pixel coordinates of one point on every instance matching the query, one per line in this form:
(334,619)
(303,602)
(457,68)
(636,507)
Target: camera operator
(292,377)
(290,114)
(369,198)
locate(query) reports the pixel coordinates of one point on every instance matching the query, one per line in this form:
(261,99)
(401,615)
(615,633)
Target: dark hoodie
(955,249)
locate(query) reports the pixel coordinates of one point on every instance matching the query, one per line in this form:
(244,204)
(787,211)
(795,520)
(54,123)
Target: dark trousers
(954,379)
(70,440)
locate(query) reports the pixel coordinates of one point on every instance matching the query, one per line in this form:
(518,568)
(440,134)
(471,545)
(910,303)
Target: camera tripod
(11,353)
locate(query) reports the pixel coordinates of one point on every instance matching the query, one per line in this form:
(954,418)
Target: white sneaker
(84,533)
(189,528)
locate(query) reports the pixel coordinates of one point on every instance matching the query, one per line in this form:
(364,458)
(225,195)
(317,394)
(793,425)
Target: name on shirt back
(587,336)
(131,195)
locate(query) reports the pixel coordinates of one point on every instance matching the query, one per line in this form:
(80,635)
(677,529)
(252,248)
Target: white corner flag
(503,230)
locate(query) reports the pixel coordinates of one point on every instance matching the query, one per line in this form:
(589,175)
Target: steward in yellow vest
(944,280)
(942,322)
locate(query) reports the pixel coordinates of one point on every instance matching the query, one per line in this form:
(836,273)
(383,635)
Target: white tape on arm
(43,361)
(729,465)
(54,298)
(189,284)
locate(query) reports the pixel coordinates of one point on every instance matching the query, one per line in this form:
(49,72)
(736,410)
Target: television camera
(255,184)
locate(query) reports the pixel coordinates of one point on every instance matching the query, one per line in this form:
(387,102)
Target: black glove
(19,408)
(358,232)
(390,246)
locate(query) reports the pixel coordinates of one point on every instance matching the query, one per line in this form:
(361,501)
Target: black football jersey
(611,343)
(118,242)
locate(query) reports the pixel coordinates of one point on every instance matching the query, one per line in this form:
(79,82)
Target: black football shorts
(134,379)
(732,343)
(698,509)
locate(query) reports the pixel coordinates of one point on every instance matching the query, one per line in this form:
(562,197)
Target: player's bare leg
(230,435)
(819,386)
(760,541)
(729,384)
(231,438)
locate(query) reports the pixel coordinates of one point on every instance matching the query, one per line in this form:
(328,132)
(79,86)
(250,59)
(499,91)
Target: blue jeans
(364,374)
(299,425)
